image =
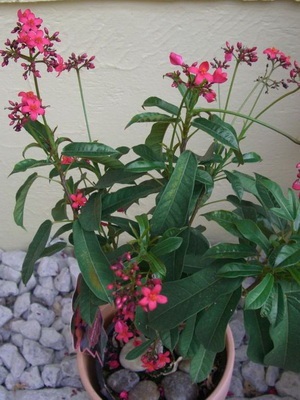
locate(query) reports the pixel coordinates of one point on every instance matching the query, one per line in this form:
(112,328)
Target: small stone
(133,365)
(179,386)
(17,339)
(145,390)
(22,304)
(69,366)
(74,270)
(72,381)
(255,375)
(4,394)
(238,331)
(31,378)
(14,259)
(18,365)
(3,375)
(289,385)
(65,393)
(5,315)
(48,267)
(45,294)
(36,354)
(7,352)
(30,285)
(41,314)
(10,382)
(67,334)
(272,375)
(47,282)
(236,388)
(122,380)
(58,325)
(9,274)
(51,338)
(29,329)
(185,366)
(67,311)
(51,375)
(5,333)
(241,353)
(63,282)
(8,288)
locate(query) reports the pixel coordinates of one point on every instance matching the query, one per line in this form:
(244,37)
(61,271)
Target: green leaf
(201,364)
(235,184)
(147,153)
(88,303)
(156,137)
(150,117)
(53,249)
(226,219)
(260,293)
(260,342)
(229,250)
(252,232)
(204,177)
(219,130)
(65,228)
(40,133)
(93,264)
(236,270)
(156,265)
(90,216)
(162,104)
(35,249)
(211,326)
(190,295)
(186,336)
(144,166)
(113,176)
(92,151)
(139,350)
(172,208)
(21,197)
(170,338)
(250,157)
(288,255)
(59,211)
(28,163)
(166,246)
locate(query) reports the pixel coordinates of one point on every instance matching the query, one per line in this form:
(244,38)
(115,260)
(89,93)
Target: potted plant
(173,293)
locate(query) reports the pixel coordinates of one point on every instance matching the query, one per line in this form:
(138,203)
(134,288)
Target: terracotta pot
(87,371)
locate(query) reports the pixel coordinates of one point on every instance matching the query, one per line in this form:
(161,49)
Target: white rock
(29,329)
(10,382)
(14,259)
(22,304)
(4,394)
(51,375)
(36,354)
(3,375)
(289,385)
(69,366)
(255,375)
(41,314)
(58,324)
(9,274)
(5,333)
(48,267)
(45,294)
(30,285)
(62,281)
(46,282)
(67,393)
(18,365)
(133,365)
(7,352)
(8,288)
(17,339)
(5,315)
(272,375)
(74,270)
(31,378)
(66,332)
(51,338)
(66,312)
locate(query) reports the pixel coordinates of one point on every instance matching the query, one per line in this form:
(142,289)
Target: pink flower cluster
(78,200)
(30,107)
(296,183)
(153,361)
(277,56)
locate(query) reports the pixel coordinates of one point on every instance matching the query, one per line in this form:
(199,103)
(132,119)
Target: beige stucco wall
(131,41)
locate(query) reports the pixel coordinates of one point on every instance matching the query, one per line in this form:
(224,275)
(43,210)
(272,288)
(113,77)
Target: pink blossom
(176,59)
(296,185)
(163,359)
(149,364)
(152,297)
(219,76)
(201,73)
(271,52)
(123,331)
(29,20)
(78,199)
(32,106)
(66,160)
(123,395)
(210,96)
(61,66)
(37,39)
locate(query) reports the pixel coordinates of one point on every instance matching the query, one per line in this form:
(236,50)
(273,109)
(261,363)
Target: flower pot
(87,370)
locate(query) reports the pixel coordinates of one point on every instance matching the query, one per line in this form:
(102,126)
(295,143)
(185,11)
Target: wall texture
(131,41)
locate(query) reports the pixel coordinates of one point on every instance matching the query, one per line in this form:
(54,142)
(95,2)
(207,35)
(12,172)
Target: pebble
(5,315)
(289,385)
(51,338)
(122,380)
(145,390)
(36,354)
(179,386)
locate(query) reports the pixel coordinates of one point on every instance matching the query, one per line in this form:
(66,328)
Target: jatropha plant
(173,293)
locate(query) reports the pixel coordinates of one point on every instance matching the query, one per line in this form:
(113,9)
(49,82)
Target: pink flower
(29,20)
(152,297)
(163,359)
(271,52)
(37,39)
(78,199)
(296,185)
(66,160)
(31,105)
(123,395)
(201,73)
(149,364)
(210,96)
(176,59)
(123,331)
(219,76)
(61,66)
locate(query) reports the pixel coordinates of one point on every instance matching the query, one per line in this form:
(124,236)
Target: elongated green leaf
(201,364)
(90,216)
(156,137)
(53,249)
(35,250)
(236,270)
(188,296)
(28,163)
(156,264)
(39,132)
(289,255)
(59,211)
(65,228)
(166,246)
(260,293)
(113,176)
(252,232)
(248,182)
(219,130)
(144,166)
(250,157)
(150,117)
(211,326)
(186,336)
(260,342)
(229,250)
(139,350)
(170,338)
(226,219)
(94,265)
(235,184)
(124,224)
(88,303)
(147,153)
(21,198)
(172,208)
(162,104)
(88,150)
(204,177)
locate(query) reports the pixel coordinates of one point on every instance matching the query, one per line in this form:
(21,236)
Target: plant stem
(83,104)
(231,86)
